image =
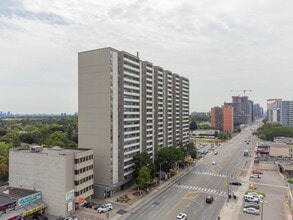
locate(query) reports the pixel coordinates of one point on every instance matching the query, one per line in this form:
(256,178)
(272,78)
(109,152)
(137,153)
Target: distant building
(222,118)
(228,119)
(287,113)
(217,118)
(62,175)
(281,150)
(274,110)
(243,111)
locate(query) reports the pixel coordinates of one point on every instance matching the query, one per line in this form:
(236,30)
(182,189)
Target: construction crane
(242,90)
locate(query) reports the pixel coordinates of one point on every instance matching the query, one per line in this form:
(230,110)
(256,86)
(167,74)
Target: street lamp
(160,171)
(262,202)
(106,195)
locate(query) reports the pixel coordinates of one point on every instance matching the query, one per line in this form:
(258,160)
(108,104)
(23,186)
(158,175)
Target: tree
(167,157)
(4,158)
(144,177)
(193,125)
(59,139)
(143,159)
(12,137)
(224,135)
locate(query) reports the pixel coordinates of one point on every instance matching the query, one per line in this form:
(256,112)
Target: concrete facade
(62,175)
(281,149)
(127,106)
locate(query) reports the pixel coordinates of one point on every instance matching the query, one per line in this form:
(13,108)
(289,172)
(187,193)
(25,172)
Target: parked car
(215,152)
(248,198)
(255,176)
(96,206)
(71,218)
(209,199)
(251,211)
(106,207)
(39,216)
(89,204)
(235,183)
(256,172)
(214,163)
(251,205)
(181,216)
(260,196)
(253,187)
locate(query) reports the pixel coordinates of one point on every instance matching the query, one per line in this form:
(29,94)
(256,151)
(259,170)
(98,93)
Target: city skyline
(220,47)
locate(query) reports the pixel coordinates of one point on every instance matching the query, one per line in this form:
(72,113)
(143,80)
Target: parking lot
(273,185)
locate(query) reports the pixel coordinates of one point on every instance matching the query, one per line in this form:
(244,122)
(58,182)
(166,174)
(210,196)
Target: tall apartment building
(274,110)
(222,118)
(217,118)
(127,106)
(61,175)
(286,113)
(242,110)
(228,118)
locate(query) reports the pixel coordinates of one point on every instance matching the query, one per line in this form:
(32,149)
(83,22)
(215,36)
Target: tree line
(45,131)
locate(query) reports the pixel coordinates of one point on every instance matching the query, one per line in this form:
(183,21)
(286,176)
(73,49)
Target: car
(252,187)
(251,211)
(89,204)
(235,183)
(214,163)
(181,216)
(256,172)
(248,198)
(251,205)
(105,208)
(215,152)
(96,206)
(39,216)
(255,176)
(255,194)
(209,199)
(71,218)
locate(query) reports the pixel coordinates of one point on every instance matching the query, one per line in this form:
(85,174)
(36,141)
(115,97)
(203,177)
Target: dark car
(235,183)
(39,216)
(90,204)
(209,199)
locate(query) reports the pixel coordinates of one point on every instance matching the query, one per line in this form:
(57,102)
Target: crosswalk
(202,189)
(212,174)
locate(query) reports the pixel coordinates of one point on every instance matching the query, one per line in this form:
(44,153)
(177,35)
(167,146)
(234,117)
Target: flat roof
(48,149)
(5,200)
(15,193)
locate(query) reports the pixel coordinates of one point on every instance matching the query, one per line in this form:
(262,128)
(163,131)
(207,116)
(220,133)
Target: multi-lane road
(188,193)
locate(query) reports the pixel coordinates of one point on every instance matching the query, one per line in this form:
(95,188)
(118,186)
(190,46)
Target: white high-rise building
(127,106)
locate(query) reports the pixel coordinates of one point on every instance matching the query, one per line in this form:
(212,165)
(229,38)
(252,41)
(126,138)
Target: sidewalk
(138,202)
(232,207)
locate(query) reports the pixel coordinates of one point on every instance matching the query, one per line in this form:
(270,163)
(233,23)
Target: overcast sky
(220,45)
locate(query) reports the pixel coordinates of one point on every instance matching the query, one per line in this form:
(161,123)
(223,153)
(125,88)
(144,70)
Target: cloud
(219,45)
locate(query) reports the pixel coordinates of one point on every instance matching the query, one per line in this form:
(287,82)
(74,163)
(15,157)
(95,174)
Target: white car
(106,207)
(181,216)
(249,198)
(255,194)
(251,211)
(214,163)
(255,176)
(71,218)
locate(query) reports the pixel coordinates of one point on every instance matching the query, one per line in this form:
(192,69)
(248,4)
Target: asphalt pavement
(229,211)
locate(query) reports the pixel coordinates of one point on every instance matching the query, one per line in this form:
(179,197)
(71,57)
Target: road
(188,194)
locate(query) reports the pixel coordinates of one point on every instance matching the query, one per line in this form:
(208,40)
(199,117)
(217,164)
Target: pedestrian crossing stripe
(212,174)
(212,191)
